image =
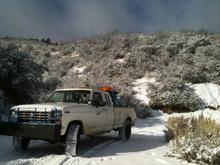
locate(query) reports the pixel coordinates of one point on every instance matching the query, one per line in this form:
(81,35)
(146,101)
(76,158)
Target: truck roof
(69,89)
(81,89)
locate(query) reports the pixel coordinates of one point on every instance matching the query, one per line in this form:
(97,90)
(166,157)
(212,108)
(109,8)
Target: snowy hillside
(120,60)
(173,72)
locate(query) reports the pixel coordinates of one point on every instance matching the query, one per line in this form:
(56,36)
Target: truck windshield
(80,97)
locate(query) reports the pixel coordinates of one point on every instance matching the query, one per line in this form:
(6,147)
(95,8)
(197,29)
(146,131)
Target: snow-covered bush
(126,97)
(194,139)
(178,98)
(143,111)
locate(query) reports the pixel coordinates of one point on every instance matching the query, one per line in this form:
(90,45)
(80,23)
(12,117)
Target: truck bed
(120,113)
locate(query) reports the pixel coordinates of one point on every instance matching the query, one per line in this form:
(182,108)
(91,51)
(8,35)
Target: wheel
(124,132)
(71,145)
(20,143)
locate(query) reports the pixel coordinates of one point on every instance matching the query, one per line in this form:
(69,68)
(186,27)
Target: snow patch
(54,53)
(121,60)
(141,86)
(161,161)
(207,113)
(75,54)
(209,93)
(79,69)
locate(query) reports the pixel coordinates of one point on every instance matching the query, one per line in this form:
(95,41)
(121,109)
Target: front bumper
(31,130)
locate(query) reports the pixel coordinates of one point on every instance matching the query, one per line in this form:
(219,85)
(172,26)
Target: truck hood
(37,107)
(47,106)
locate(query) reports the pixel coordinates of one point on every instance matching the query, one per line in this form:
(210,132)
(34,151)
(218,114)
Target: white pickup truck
(67,114)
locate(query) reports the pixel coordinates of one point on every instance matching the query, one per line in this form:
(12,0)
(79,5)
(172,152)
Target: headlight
(13,116)
(55,113)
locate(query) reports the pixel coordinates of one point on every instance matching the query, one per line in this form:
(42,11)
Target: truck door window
(84,98)
(107,100)
(97,98)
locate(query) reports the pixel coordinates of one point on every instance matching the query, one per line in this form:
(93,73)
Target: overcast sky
(72,19)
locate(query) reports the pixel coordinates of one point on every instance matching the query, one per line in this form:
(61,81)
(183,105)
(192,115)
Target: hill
(31,68)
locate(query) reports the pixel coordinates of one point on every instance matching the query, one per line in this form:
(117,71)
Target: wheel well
(76,122)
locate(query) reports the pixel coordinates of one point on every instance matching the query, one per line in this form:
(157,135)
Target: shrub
(126,97)
(176,98)
(176,127)
(143,111)
(194,139)
(20,76)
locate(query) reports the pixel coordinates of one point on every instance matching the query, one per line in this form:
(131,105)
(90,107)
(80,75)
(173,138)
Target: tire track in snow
(92,152)
(62,159)
(95,149)
(41,152)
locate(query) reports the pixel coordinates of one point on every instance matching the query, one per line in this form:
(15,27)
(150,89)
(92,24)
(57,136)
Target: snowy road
(146,146)
(40,152)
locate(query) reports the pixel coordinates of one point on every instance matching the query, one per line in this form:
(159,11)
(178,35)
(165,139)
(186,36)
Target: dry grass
(176,127)
(194,139)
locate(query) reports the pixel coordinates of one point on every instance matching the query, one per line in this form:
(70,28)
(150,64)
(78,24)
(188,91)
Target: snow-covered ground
(209,93)
(120,61)
(55,53)
(146,146)
(207,113)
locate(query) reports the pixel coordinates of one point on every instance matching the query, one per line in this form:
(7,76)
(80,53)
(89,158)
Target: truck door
(99,107)
(109,113)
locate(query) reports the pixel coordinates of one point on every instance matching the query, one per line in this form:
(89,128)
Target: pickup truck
(67,114)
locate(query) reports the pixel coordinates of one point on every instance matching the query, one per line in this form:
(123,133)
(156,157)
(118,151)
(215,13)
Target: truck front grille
(29,116)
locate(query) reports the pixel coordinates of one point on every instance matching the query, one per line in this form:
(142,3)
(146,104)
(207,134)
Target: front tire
(71,145)
(20,143)
(124,132)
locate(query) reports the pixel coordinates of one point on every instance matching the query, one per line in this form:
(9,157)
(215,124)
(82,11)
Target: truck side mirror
(97,103)
(104,104)
(94,103)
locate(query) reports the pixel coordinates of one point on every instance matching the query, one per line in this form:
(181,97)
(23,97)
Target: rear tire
(71,145)
(124,132)
(20,143)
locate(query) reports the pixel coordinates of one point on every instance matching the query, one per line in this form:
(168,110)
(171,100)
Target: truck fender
(76,122)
